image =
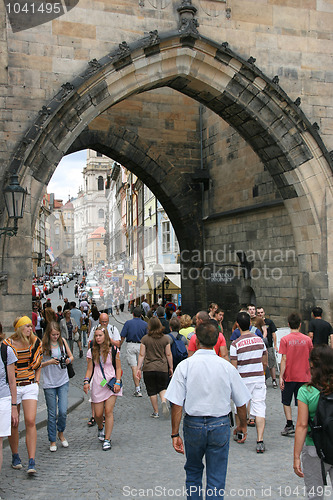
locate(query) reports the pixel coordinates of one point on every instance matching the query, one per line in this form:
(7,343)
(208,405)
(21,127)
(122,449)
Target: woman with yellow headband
(28,350)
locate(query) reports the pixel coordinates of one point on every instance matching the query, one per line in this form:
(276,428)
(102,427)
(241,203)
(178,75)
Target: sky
(68,177)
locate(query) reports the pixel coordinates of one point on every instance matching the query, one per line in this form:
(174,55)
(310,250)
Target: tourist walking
(202,386)
(133,331)
(27,348)
(294,369)
(307,464)
(103,364)
(156,358)
(56,356)
(8,392)
(68,329)
(248,354)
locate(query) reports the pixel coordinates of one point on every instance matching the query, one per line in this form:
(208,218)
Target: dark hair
(95,313)
(59,308)
(243,319)
(168,313)
(294,320)
(137,312)
(2,335)
(155,328)
(317,311)
(212,305)
(321,364)
(72,304)
(174,324)
(204,316)
(207,334)
(46,341)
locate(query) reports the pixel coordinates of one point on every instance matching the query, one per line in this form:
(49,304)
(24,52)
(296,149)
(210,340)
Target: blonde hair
(18,335)
(185,321)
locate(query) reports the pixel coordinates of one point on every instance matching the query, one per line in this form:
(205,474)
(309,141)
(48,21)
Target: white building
(90,207)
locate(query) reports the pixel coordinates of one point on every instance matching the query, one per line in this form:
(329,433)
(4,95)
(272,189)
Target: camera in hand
(62,362)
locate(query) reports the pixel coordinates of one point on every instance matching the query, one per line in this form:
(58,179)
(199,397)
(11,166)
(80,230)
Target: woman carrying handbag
(102,367)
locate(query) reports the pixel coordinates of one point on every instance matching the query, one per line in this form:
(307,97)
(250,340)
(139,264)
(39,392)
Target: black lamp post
(14,199)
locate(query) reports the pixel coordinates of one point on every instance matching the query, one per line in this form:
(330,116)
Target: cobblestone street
(142,462)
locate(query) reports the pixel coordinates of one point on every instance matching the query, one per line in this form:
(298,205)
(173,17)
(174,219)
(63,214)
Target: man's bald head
(104,319)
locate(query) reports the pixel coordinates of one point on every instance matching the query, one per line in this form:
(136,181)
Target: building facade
(91,203)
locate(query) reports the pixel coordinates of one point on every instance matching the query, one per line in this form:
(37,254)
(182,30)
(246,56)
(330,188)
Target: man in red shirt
(295,369)
(220,346)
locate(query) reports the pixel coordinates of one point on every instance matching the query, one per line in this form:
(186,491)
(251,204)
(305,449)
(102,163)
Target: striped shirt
(28,360)
(248,350)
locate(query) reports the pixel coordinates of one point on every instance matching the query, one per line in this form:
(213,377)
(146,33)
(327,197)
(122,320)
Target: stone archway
(234,89)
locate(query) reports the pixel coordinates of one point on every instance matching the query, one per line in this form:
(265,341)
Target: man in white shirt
(113,330)
(203,385)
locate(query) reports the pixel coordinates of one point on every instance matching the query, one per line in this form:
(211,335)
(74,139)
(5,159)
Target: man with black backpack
(178,343)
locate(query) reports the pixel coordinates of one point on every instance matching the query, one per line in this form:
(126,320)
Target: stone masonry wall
(289,38)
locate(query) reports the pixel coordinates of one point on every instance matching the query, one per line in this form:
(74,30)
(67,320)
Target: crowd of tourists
(188,370)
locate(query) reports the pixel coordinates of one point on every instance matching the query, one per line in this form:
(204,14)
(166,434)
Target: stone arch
(235,89)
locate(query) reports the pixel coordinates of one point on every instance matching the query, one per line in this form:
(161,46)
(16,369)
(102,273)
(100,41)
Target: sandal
(251,422)
(91,422)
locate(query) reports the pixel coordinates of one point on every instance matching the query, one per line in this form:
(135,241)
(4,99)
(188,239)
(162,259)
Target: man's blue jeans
(53,423)
(209,437)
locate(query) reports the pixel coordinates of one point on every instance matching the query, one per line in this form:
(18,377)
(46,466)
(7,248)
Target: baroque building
(90,204)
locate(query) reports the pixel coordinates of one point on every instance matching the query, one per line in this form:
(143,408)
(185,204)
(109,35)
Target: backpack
(4,358)
(322,431)
(178,349)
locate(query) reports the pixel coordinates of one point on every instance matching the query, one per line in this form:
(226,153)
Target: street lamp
(14,199)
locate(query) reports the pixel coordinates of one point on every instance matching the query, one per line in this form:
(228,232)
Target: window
(56,230)
(98,255)
(97,244)
(99,155)
(100,183)
(101,213)
(175,243)
(166,246)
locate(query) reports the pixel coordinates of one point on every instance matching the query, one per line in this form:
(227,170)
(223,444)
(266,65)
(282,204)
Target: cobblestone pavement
(142,462)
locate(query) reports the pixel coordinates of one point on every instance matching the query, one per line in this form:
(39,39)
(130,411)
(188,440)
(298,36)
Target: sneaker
(260,447)
(165,409)
(275,386)
(16,461)
(155,415)
(101,434)
(31,466)
(53,447)
(288,430)
(137,394)
(107,444)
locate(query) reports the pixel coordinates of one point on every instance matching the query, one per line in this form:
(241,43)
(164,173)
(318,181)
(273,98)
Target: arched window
(100,183)
(101,213)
